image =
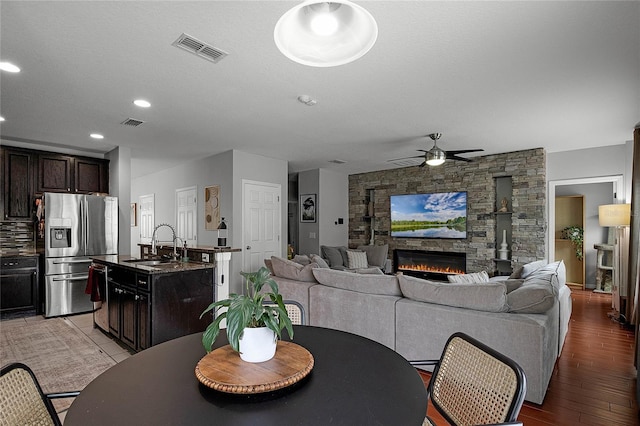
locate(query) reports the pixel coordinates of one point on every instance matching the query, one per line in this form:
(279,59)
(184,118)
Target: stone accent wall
(528,173)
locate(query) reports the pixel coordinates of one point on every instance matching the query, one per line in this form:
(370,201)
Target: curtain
(632,240)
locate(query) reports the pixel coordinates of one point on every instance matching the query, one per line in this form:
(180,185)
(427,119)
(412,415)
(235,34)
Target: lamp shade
(325,34)
(614,215)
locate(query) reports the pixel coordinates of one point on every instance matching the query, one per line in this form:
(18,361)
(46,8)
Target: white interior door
(261,223)
(186,215)
(146,208)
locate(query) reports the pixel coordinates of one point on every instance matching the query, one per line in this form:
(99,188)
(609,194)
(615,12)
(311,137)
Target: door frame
(618,187)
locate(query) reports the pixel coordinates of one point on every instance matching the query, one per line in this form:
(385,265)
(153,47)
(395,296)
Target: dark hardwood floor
(594,380)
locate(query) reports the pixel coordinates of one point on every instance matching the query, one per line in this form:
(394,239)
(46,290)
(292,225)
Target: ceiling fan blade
(463,151)
(406,158)
(455,157)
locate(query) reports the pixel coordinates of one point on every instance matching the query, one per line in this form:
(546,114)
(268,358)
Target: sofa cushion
(319,260)
(357,259)
(531,299)
(302,259)
(476,277)
(334,255)
(294,271)
(489,297)
(517,273)
(374,270)
(386,285)
(376,255)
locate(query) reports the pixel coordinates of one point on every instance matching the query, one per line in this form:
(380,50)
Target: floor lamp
(618,216)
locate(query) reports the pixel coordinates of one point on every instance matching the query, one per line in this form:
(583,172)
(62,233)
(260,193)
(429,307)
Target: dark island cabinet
(17,184)
(148,309)
(18,284)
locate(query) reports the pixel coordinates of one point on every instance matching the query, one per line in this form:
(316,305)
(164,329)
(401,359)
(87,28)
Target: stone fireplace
(435,265)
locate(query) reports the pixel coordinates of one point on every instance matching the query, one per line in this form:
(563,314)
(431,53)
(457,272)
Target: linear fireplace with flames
(434,265)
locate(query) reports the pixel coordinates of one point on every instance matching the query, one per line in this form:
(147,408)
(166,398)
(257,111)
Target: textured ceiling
(503,76)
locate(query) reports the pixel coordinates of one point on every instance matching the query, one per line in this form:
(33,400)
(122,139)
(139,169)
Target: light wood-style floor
(594,381)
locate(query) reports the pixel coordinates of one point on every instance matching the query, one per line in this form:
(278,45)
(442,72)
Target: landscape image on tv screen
(439,215)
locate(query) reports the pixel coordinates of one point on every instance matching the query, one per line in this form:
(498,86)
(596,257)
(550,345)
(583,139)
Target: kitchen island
(150,301)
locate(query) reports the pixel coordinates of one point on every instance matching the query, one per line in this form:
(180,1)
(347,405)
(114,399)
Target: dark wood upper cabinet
(17,184)
(64,173)
(91,175)
(54,173)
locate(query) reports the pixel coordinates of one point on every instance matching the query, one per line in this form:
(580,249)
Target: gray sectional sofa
(526,318)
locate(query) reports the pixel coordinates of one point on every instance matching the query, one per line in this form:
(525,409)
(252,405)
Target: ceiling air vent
(337,161)
(132,122)
(199,48)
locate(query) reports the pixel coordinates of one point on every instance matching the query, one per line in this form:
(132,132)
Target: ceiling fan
(436,156)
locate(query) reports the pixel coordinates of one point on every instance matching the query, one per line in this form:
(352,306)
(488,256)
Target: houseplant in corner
(249,319)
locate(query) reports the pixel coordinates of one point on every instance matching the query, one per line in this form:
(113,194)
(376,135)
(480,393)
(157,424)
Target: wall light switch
(205,257)
(312,234)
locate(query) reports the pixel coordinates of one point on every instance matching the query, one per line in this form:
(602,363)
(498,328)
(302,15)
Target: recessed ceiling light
(1,118)
(9,67)
(96,136)
(142,103)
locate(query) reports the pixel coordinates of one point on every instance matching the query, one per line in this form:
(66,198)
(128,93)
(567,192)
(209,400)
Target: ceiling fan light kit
(437,156)
(325,34)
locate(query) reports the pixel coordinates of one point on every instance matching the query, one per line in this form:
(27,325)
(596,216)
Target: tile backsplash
(16,238)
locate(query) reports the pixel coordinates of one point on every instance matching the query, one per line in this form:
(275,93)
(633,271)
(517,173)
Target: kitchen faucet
(173,238)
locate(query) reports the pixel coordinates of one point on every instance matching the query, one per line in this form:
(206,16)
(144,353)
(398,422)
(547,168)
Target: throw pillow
(267,263)
(513,284)
(357,259)
(476,277)
(490,297)
(531,299)
(333,256)
(386,285)
(529,268)
(302,259)
(553,274)
(286,268)
(320,261)
(376,255)
(517,273)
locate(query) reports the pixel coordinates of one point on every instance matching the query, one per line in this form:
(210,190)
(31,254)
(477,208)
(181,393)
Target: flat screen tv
(438,215)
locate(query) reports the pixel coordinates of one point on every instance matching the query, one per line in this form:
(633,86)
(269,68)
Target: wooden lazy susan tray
(223,370)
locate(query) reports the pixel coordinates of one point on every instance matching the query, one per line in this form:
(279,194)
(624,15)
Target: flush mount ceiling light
(9,67)
(142,103)
(325,34)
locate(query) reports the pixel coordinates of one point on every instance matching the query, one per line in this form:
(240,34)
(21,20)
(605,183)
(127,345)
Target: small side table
(604,268)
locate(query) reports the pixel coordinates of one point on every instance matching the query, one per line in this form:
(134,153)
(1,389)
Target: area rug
(61,356)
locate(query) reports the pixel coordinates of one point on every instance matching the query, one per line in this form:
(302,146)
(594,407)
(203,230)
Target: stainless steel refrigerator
(76,227)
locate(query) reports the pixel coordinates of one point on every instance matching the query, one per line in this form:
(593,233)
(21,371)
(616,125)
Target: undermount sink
(147,262)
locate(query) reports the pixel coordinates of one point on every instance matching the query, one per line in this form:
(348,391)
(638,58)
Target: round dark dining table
(354,381)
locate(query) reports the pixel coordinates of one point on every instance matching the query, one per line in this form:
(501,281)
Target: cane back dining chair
(22,401)
(472,384)
(295,311)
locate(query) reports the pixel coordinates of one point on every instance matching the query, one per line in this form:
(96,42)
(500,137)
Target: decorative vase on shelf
(504,251)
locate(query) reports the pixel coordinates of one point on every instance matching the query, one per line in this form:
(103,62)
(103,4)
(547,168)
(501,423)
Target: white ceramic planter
(257,344)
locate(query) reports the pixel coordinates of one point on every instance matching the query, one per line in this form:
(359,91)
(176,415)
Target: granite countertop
(193,248)
(143,265)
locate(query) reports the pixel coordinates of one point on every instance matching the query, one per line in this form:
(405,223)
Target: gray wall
(228,170)
(332,197)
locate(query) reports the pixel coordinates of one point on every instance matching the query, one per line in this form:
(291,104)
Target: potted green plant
(247,315)
(576,235)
